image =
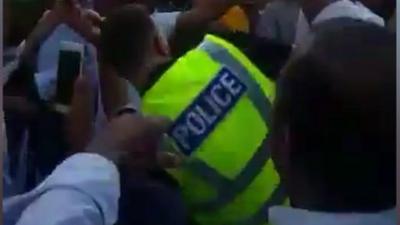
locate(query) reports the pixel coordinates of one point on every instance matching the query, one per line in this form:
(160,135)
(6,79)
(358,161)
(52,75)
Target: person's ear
(161,45)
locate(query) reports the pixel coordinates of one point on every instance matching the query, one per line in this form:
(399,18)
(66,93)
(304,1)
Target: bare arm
(114,91)
(193,24)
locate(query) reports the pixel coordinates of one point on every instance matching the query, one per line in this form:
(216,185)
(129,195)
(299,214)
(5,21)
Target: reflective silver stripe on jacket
(228,189)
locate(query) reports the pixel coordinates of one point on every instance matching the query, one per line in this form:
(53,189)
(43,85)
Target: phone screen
(69,66)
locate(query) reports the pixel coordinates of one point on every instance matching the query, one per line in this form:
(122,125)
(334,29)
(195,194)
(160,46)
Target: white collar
(338,9)
(349,9)
(290,216)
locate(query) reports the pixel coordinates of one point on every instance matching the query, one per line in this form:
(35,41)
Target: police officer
(219,94)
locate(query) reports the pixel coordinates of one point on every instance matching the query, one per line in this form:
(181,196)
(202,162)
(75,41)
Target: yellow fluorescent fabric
(247,203)
(231,159)
(176,89)
(195,190)
(167,100)
(267,85)
(229,147)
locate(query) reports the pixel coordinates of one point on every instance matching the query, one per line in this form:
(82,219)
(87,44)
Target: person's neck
(147,71)
(311,8)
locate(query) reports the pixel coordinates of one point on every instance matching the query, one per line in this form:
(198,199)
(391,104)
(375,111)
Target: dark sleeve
(22,82)
(183,40)
(268,55)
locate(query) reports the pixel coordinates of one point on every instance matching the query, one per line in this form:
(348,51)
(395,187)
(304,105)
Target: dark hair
(126,35)
(384,8)
(339,101)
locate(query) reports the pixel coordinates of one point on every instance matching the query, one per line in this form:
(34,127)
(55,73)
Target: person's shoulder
(369,15)
(348,9)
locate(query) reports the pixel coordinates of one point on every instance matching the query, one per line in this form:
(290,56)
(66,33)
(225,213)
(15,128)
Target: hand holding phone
(69,68)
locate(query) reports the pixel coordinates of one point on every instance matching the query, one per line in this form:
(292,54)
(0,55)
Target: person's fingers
(139,129)
(82,85)
(156,126)
(94,36)
(138,137)
(86,23)
(81,115)
(94,17)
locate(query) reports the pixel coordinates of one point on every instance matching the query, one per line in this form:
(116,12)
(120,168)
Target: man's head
(104,7)
(130,43)
(334,120)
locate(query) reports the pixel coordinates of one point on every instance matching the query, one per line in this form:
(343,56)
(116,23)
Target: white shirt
(46,83)
(165,22)
(338,9)
(133,97)
(290,216)
(278,21)
(48,62)
(82,190)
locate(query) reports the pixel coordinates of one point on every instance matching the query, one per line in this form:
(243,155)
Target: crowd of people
(204,112)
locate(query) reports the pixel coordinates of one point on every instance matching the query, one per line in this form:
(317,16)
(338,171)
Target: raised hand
(134,141)
(86,22)
(70,12)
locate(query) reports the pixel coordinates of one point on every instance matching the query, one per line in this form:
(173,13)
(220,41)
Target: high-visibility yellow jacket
(221,104)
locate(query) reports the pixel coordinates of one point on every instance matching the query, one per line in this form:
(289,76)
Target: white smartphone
(70,62)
